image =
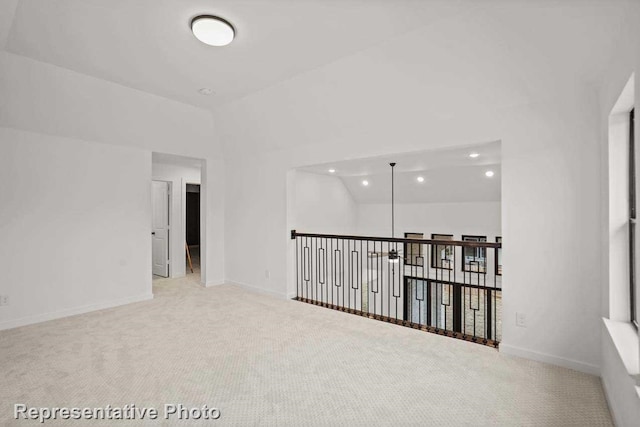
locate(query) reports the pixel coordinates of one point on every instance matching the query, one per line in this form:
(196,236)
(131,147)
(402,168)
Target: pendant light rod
(392,164)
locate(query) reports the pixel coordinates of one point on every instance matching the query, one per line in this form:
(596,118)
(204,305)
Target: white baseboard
(214,283)
(548,358)
(257,289)
(38,318)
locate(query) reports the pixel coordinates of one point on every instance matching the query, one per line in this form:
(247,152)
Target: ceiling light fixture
(474,155)
(212,30)
(488,174)
(365,182)
(332,171)
(420,179)
(205,91)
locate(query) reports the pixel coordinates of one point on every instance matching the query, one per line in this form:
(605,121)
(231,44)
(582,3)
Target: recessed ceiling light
(205,91)
(212,30)
(332,171)
(420,179)
(488,174)
(474,155)
(365,182)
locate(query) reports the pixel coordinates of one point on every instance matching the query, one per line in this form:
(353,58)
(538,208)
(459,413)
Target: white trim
(213,283)
(613,409)
(178,206)
(548,358)
(626,343)
(38,318)
(279,295)
(183,216)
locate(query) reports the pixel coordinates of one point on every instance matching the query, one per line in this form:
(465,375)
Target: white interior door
(160,228)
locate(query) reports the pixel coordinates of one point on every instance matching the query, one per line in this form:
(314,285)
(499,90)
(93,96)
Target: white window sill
(625,339)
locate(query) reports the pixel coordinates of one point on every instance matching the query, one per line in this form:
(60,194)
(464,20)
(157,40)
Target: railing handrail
(496,245)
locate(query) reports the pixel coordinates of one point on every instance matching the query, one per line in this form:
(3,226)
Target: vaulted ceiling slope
(306,71)
(7,11)
(148,45)
(493,57)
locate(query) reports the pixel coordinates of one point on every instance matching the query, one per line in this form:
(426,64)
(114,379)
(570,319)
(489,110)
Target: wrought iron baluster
(335,296)
(342,270)
(467,309)
(297,277)
(389,283)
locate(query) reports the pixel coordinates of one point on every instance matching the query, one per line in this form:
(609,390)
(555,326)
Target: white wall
(75,236)
(55,106)
(477,218)
(620,388)
(321,204)
(51,100)
(550,168)
(179,176)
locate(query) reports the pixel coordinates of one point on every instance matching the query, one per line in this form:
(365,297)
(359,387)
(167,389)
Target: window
(632,222)
(474,259)
(413,251)
(499,257)
(442,255)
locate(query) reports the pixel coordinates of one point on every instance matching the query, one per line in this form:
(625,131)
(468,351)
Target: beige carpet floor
(264,361)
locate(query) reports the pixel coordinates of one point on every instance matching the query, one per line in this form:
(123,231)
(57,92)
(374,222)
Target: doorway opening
(444,276)
(180,209)
(193,229)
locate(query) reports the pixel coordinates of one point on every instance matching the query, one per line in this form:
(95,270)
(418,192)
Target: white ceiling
(469,67)
(449,176)
(148,44)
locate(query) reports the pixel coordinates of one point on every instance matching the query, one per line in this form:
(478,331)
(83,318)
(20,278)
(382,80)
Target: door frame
(168,165)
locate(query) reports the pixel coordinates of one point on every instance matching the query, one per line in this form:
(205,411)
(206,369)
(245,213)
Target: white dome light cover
(212,30)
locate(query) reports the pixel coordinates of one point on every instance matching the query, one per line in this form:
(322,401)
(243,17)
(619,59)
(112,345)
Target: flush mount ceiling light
(474,155)
(205,91)
(365,182)
(488,174)
(212,30)
(420,179)
(332,171)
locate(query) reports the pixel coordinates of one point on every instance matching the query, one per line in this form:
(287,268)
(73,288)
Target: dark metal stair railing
(459,297)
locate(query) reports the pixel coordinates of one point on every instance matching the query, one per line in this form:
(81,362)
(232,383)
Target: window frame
(464,263)
(433,252)
(633,313)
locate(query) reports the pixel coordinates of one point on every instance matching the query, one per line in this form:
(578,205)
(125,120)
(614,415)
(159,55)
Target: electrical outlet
(4,299)
(267,274)
(521,320)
